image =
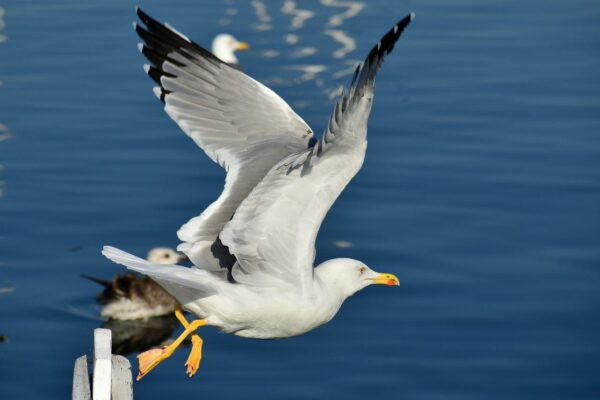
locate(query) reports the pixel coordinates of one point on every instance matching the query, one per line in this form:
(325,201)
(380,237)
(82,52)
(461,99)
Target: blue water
(481,191)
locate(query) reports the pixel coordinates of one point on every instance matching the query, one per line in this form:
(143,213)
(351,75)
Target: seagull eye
(362,270)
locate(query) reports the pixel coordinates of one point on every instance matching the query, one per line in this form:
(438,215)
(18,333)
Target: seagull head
(165,255)
(224,47)
(348,276)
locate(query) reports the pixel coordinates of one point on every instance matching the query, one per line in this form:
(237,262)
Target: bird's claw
(193,362)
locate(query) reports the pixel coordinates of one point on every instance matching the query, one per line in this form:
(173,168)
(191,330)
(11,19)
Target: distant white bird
(253,248)
(129,297)
(224,47)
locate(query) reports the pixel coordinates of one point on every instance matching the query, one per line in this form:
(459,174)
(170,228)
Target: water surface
(480,190)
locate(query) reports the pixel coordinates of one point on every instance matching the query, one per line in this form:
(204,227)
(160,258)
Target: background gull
(224,47)
(254,247)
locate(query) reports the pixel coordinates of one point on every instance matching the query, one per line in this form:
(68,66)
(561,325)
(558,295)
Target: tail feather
(166,275)
(100,281)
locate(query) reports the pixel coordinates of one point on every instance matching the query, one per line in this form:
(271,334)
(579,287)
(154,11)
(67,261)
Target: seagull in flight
(253,249)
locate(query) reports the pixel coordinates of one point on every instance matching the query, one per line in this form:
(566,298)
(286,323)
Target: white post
(81,380)
(122,384)
(111,373)
(102,364)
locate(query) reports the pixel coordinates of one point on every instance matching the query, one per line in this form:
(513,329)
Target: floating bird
(224,47)
(130,297)
(253,249)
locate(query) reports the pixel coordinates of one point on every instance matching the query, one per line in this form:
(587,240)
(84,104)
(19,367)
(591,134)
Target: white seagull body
(253,248)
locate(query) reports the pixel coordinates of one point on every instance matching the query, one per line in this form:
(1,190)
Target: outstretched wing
(241,124)
(273,231)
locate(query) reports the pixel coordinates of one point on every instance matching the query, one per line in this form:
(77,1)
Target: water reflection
(260,9)
(4,290)
(348,71)
(291,38)
(230,12)
(269,53)
(138,336)
(352,10)
(298,16)
(343,244)
(3,38)
(303,52)
(329,84)
(309,72)
(348,43)
(5,132)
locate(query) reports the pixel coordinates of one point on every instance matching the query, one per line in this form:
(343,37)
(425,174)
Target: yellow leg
(193,362)
(151,358)
(180,316)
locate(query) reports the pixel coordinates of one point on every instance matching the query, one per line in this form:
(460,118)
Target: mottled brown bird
(129,296)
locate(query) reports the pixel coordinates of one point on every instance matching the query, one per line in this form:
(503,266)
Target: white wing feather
(241,124)
(273,232)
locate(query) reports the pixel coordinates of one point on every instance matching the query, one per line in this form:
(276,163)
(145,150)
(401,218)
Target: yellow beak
(242,46)
(386,279)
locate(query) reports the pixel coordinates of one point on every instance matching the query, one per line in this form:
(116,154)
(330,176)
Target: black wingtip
(377,54)
(141,14)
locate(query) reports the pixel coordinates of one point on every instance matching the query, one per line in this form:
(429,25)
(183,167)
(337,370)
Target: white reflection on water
(260,9)
(5,132)
(303,52)
(348,43)
(329,82)
(224,21)
(299,16)
(349,71)
(335,92)
(343,244)
(3,38)
(229,13)
(291,38)
(352,10)
(309,72)
(269,53)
